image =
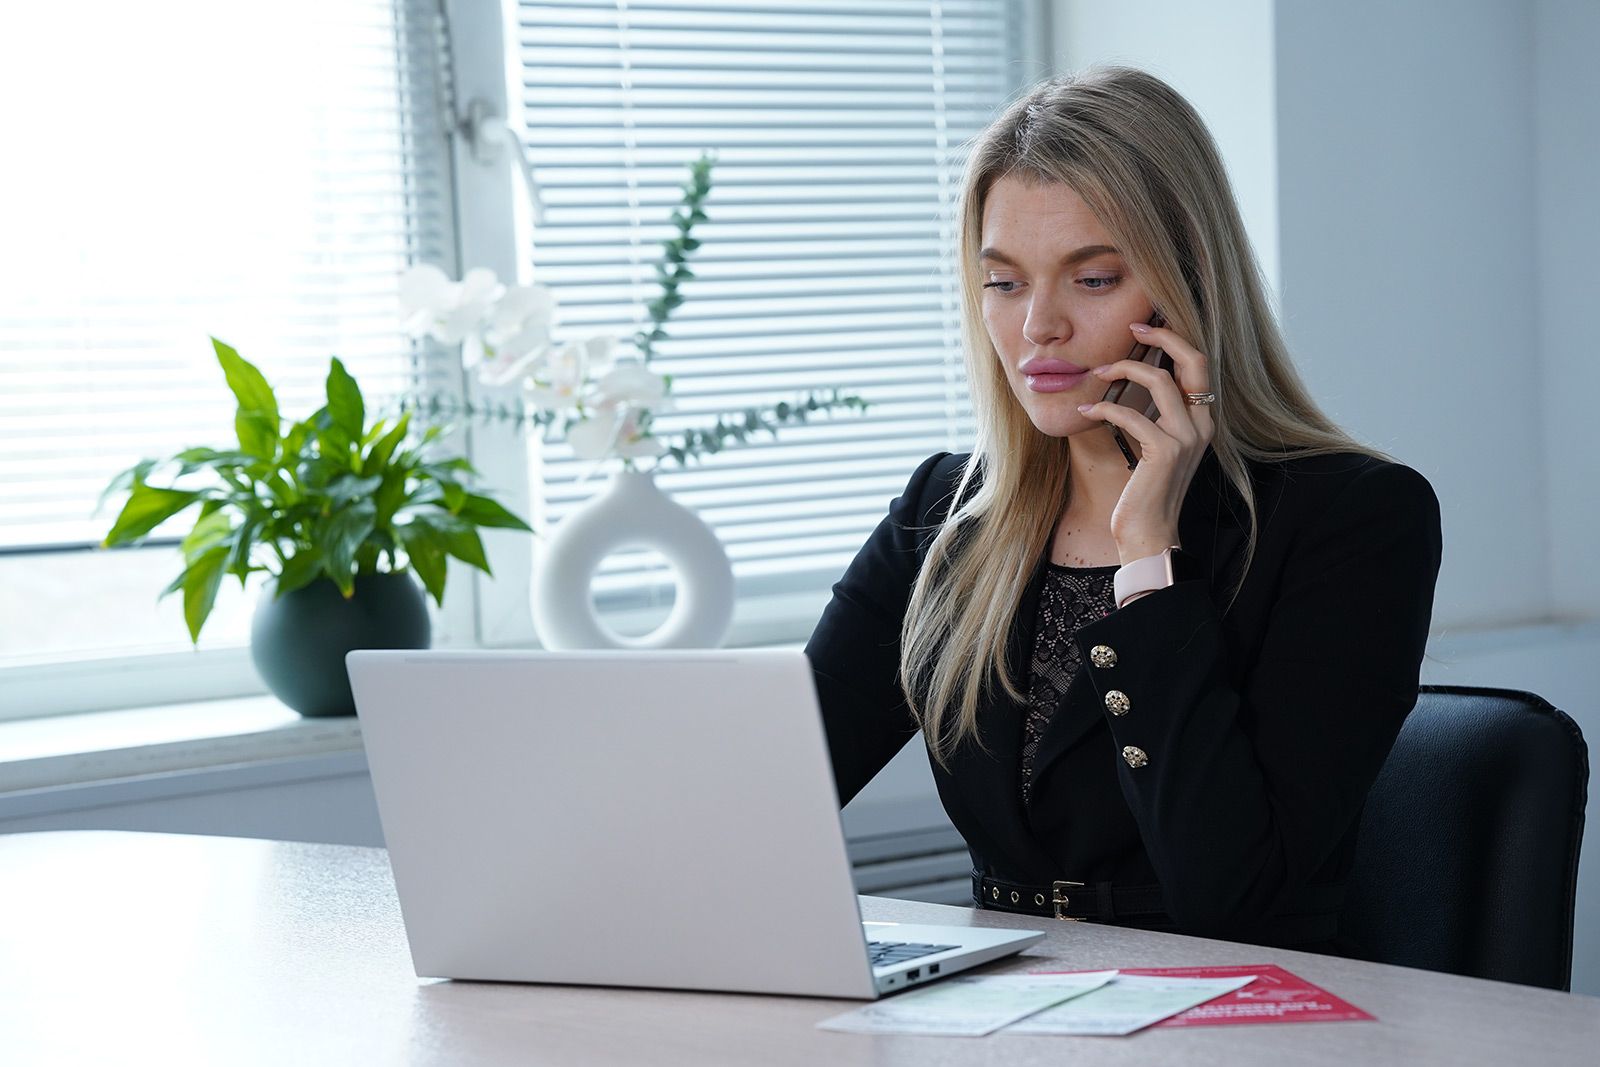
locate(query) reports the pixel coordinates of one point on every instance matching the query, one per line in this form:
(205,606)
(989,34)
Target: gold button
(1103,656)
(1118,701)
(1134,757)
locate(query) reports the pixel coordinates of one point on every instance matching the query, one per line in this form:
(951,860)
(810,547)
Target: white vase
(632,512)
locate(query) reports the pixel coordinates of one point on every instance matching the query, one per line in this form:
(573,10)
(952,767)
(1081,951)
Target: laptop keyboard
(888,953)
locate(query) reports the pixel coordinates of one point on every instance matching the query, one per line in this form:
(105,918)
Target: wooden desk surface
(127,947)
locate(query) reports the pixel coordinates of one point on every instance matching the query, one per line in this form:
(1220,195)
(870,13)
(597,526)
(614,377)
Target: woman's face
(1057,300)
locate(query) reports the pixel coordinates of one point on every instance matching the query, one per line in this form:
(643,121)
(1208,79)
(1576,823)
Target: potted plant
(339,511)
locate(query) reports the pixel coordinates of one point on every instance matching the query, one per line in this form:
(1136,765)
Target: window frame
(90,683)
(491,228)
(505,619)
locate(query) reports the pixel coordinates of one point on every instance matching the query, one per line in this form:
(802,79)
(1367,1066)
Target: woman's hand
(1145,520)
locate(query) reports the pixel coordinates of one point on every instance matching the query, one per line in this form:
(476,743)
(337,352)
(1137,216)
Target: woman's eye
(1108,280)
(996,285)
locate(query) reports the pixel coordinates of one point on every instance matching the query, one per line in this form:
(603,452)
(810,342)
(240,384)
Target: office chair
(1467,853)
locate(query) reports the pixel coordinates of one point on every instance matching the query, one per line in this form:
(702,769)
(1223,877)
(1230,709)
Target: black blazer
(1264,727)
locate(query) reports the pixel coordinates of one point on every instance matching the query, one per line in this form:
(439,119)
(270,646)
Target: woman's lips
(1043,375)
(1053,383)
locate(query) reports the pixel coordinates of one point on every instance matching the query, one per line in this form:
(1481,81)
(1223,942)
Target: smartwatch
(1168,567)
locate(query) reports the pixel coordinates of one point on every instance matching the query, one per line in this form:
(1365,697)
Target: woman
(1187,746)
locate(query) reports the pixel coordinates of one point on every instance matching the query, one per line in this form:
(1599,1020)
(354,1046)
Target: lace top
(1072,597)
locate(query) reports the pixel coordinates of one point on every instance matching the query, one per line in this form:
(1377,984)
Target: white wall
(1567,150)
(1407,201)
(1179,41)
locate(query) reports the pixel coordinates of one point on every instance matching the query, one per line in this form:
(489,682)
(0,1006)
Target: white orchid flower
(561,384)
(594,437)
(516,357)
(630,383)
(630,445)
(612,432)
(425,292)
(431,304)
(508,368)
(522,310)
(480,289)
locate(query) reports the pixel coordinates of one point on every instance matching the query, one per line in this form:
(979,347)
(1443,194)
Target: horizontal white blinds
(262,174)
(840,131)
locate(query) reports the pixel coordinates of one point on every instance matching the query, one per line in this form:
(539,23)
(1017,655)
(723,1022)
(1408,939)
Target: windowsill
(106,746)
(101,746)
(194,736)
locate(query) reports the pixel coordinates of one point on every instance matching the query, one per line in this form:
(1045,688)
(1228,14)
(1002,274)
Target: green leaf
(200,583)
(342,538)
(390,495)
(319,472)
(174,585)
(134,475)
(346,487)
(377,457)
(345,405)
(147,508)
(295,440)
(457,538)
(212,528)
(427,557)
(299,570)
(239,548)
(256,421)
(482,511)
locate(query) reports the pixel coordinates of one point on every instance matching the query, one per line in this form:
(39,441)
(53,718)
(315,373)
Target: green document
(966,1007)
(1127,1003)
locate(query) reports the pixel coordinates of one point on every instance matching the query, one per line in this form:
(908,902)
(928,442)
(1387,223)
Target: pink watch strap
(1142,576)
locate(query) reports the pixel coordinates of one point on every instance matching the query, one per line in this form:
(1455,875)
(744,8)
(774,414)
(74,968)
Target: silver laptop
(658,819)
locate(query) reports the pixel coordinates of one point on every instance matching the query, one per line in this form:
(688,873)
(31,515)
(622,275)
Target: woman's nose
(1046,324)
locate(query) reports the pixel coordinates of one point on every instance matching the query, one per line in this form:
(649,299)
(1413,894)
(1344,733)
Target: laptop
(661,819)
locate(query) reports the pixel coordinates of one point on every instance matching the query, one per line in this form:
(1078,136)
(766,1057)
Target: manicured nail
(1085,408)
(1138,327)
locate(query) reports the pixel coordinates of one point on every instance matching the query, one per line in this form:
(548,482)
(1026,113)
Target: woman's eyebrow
(1076,256)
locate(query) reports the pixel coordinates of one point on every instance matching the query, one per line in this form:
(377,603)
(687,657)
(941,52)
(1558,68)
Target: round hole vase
(298,641)
(632,512)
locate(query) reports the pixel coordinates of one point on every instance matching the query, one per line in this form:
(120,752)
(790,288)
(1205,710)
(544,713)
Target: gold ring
(1199,399)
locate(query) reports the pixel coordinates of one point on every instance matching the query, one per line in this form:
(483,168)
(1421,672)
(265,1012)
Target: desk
(129,947)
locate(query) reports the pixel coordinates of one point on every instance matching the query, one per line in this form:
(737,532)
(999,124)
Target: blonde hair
(1143,161)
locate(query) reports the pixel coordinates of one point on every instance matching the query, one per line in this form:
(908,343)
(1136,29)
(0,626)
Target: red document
(1276,996)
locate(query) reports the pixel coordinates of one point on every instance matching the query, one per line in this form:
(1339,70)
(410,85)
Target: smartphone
(1135,396)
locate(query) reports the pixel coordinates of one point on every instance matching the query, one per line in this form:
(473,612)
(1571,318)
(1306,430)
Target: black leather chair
(1467,855)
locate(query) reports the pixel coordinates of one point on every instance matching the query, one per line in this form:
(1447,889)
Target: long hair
(1144,163)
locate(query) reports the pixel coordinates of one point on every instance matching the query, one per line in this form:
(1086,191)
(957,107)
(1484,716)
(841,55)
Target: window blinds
(840,130)
(260,174)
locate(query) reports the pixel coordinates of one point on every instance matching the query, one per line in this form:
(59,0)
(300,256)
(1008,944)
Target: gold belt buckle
(1058,897)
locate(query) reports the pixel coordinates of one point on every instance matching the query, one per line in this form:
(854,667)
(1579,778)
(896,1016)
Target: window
(258,173)
(840,129)
(264,174)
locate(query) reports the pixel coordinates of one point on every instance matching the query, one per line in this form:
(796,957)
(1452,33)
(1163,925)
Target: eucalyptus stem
(739,428)
(436,406)
(673,269)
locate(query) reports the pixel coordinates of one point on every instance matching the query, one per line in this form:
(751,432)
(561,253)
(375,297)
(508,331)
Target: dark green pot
(298,641)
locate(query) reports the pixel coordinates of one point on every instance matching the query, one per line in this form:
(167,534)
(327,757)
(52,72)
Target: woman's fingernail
(1085,408)
(1138,327)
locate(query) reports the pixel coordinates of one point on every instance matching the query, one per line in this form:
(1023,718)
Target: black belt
(1100,901)
(1313,915)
